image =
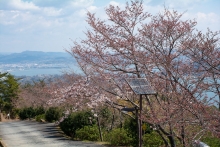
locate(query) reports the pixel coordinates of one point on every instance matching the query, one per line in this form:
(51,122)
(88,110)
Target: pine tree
(9,88)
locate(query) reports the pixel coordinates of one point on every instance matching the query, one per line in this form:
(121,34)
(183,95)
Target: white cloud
(8,17)
(114,3)
(21,5)
(204,20)
(51,3)
(208,20)
(50,11)
(55,21)
(92,8)
(210,17)
(82,3)
(153,9)
(185,4)
(82,12)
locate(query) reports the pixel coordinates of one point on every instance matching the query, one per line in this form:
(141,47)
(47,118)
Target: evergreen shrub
(53,114)
(90,133)
(212,141)
(119,137)
(39,110)
(152,140)
(26,113)
(40,117)
(75,121)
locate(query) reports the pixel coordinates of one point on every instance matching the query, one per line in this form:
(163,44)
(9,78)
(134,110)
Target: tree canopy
(180,62)
(9,88)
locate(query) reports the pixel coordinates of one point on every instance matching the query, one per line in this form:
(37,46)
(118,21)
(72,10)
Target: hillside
(36,57)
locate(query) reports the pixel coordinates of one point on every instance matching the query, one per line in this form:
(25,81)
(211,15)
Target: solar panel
(140,86)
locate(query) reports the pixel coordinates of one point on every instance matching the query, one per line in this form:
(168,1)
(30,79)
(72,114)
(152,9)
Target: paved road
(34,134)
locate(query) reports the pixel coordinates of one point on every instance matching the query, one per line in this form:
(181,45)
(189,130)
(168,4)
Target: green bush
(22,114)
(105,117)
(53,114)
(7,106)
(119,137)
(90,133)
(27,113)
(130,125)
(40,117)
(211,141)
(14,113)
(152,140)
(75,121)
(39,110)
(30,112)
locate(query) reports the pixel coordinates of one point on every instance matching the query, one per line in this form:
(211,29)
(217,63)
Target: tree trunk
(172,141)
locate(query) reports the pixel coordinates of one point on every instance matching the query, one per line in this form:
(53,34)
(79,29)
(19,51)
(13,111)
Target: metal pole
(140,123)
(137,120)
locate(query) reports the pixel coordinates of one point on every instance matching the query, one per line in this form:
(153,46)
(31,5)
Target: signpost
(141,87)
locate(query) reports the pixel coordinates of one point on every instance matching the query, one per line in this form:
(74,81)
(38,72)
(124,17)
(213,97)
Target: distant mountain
(36,57)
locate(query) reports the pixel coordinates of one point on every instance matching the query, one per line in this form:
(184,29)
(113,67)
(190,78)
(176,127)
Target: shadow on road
(31,133)
(54,132)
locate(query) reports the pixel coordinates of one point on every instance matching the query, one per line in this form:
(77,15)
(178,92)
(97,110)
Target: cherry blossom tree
(167,51)
(34,94)
(76,91)
(71,91)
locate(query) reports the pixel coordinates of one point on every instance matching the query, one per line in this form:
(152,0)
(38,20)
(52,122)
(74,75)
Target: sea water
(42,71)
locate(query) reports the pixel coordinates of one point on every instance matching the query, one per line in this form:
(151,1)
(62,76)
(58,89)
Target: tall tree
(9,89)
(134,44)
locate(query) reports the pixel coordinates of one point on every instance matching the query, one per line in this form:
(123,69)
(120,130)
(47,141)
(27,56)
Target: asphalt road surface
(35,134)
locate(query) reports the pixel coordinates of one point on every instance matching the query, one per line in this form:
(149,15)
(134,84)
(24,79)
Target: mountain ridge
(36,57)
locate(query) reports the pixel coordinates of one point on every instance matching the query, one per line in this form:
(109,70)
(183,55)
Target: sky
(52,25)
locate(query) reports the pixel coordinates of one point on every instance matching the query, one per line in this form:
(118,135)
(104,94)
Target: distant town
(25,66)
(33,65)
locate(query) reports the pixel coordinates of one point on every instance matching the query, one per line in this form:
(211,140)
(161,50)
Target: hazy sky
(49,25)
